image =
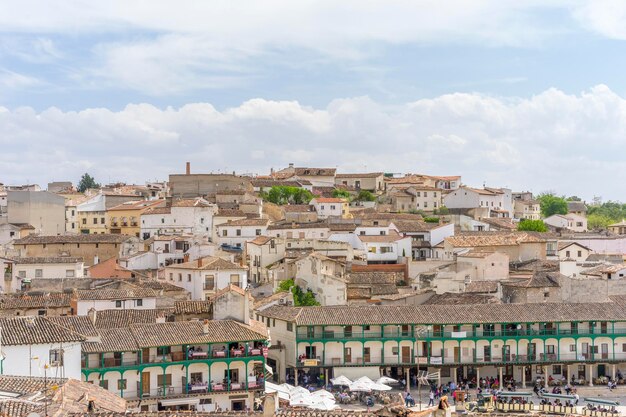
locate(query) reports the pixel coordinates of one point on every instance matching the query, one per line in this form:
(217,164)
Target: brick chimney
(160,318)
(188,168)
(200,262)
(205,327)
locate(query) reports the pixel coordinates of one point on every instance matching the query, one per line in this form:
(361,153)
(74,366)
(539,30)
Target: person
(576,397)
(431,398)
(408,400)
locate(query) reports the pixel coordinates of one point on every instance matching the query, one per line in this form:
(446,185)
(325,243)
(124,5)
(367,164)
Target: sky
(526,95)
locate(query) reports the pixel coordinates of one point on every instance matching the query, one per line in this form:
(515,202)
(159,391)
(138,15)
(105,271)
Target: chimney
(92,314)
(200,262)
(205,327)
(291,165)
(186,257)
(160,318)
(188,168)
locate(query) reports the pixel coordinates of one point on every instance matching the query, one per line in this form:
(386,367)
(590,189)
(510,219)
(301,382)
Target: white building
(330,207)
(382,248)
(188,216)
(487,202)
(30,344)
(527,209)
(20,271)
(317,230)
(205,276)
(261,253)
(571,221)
(114,299)
(237,232)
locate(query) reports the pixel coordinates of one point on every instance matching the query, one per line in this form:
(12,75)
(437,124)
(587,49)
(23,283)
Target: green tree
(339,193)
(573,198)
(300,298)
(282,195)
(527,225)
(365,195)
(86,182)
(599,221)
(552,204)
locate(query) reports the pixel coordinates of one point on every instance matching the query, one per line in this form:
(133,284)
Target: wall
(83,306)
(85,250)
(41,209)
(198,185)
(17,360)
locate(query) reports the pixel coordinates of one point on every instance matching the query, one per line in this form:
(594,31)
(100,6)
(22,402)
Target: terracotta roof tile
(26,330)
(76,238)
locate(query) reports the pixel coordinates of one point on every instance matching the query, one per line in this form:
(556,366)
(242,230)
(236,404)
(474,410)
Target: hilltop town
(209,292)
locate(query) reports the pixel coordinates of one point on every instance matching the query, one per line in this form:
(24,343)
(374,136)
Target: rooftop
(74,238)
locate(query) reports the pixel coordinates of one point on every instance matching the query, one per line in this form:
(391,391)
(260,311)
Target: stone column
(614,371)
(295,374)
(501,380)
(477,377)
(523,377)
(407,371)
(454,376)
(545,376)
(590,374)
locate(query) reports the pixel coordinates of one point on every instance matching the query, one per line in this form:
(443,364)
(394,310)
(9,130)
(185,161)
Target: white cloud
(606,17)
(569,143)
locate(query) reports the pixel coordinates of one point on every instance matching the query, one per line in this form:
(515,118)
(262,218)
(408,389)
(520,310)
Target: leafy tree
(300,298)
(365,195)
(86,182)
(431,219)
(442,210)
(573,198)
(339,193)
(527,225)
(282,195)
(552,204)
(613,210)
(599,221)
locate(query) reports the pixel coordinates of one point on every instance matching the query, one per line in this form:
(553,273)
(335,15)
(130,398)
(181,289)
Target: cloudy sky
(529,95)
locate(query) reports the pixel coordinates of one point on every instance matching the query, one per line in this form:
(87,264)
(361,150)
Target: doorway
(406,354)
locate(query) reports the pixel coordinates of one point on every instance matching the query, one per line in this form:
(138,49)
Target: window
(383,233)
(435,204)
(209,282)
(567,254)
(167,381)
(572,348)
(84,221)
(580,253)
(238,232)
(201,220)
(104,383)
(386,249)
(38,273)
(95,220)
(118,303)
(425,203)
(69,273)
(41,312)
(434,194)
(556,369)
(102,220)
(162,220)
(234,279)
(332,207)
(419,193)
(140,303)
(257,232)
(290,327)
(188,277)
(56,357)
(224,232)
(394,350)
(121,384)
(362,233)
(371,249)
(21,274)
(180,277)
(196,376)
(425,194)
(171,276)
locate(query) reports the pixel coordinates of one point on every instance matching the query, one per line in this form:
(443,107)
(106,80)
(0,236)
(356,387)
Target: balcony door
(506,353)
(406,354)
(487,353)
(367,355)
(347,355)
(604,349)
(145,383)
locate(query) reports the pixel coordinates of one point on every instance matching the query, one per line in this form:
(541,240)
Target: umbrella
(300,401)
(365,380)
(386,380)
(360,386)
(299,390)
(380,387)
(341,380)
(324,404)
(322,393)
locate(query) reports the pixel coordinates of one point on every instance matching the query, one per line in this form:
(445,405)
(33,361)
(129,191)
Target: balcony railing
(548,358)
(169,391)
(479,333)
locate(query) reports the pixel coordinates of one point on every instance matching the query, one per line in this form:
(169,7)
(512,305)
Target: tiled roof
(294,225)
(18,301)
(576,206)
(445,314)
(26,385)
(15,407)
(476,254)
(460,299)
(501,223)
(198,202)
(481,287)
(209,263)
(610,269)
(541,279)
(316,171)
(25,330)
(193,307)
(107,319)
(373,215)
(245,222)
(411,226)
(157,210)
(268,183)
(115,294)
(48,260)
(492,239)
(191,332)
(112,340)
(82,325)
(137,205)
(362,175)
(222,212)
(260,302)
(260,240)
(283,412)
(297,208)
(329,200)
(75,238)
(342,227)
